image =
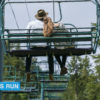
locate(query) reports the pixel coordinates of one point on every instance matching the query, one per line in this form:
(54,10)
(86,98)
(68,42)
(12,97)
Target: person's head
(41,14)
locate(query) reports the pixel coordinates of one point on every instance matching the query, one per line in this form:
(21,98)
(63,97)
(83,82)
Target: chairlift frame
(54,39)
(19,53)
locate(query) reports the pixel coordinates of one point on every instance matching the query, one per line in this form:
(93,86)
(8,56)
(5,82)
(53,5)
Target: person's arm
(56,24)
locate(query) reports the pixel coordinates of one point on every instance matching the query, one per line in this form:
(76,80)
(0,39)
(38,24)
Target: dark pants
(50,62)
(62,61)
(28,63)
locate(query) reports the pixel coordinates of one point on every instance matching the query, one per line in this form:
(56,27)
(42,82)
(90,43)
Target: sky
(78,14)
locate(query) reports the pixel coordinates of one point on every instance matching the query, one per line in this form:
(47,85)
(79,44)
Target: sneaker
(28,76)
(63,71)
(51,77)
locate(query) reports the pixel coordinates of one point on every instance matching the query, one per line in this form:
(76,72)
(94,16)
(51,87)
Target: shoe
(51,77)
(63,71)
(28,76)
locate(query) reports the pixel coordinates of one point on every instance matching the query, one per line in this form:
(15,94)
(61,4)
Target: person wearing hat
(44,22)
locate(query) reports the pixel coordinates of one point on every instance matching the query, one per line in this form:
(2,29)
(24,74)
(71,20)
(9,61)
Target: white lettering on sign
(11,86)
(1,86)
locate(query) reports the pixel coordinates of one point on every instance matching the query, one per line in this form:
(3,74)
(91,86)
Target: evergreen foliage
(83,85)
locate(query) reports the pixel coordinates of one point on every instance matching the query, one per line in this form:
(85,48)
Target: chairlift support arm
(1,45)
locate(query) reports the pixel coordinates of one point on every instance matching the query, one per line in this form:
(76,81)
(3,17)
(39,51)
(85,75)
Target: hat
(40,14)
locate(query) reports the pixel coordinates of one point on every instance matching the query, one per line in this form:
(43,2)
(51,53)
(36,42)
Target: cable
(27,10)
(14,15)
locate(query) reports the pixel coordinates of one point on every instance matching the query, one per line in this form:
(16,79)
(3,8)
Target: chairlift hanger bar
(51,1)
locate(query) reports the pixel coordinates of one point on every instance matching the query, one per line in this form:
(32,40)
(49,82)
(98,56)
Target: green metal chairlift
(83,40)
(41,87)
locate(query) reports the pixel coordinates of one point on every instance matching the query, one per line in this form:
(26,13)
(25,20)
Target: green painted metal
(47,85)
(41,34)
(60,11)
(27,87)
(42,1)
(72,26)
(98,23)
(19,36)
(1,47)
(42,91)
(54,97)
(52,39)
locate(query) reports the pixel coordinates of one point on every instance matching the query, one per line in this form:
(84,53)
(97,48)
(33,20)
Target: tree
(80,69)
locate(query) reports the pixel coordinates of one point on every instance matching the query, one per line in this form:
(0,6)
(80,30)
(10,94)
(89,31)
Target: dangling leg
(51,66)
(64,58)
(62,64)
(58,59)
(28,65)
(63,68)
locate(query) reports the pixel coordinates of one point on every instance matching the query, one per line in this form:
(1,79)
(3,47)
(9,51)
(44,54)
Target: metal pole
(98,17)
(98,23)
(53,11)
(1,45)
(1,50)
(42,1)
(42,91)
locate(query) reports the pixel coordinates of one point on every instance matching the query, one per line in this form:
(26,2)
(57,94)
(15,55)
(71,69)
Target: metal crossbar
(45,1)
(21,91)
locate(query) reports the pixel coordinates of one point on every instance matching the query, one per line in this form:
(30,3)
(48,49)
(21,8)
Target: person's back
(36,24)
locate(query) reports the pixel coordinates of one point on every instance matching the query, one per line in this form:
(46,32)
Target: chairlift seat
(14,36)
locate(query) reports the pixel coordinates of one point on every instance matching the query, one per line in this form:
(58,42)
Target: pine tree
(80,69)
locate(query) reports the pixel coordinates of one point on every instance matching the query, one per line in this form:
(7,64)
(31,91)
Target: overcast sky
(79,14)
